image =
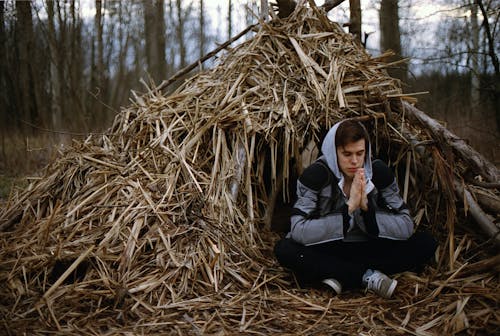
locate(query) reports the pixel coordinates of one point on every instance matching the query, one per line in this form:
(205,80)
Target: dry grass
(158,228)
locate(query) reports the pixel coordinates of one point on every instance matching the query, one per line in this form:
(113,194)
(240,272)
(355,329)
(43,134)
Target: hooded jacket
(320,213)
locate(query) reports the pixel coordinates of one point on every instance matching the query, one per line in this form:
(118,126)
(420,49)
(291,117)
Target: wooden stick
(478,214)
(70,269)
(466,152)
(193,65)
(331,4)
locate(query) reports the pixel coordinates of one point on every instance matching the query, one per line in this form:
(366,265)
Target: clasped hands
(357,194)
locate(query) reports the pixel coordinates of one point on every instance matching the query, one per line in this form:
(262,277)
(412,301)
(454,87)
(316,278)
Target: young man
(350,225)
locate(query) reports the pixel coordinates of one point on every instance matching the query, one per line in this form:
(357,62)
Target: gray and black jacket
(320,213)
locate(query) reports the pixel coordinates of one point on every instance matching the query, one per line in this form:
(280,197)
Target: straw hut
(162,225)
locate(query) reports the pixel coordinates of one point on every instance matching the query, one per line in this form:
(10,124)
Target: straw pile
(159,226)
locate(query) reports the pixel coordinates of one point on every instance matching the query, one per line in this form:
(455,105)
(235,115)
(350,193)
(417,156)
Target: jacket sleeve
(308,225)
(388,216)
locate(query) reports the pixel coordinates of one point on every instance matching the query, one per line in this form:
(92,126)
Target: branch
(491,43)
(487,199)
(193,65)
(478,214)
(469,155)
(331,4)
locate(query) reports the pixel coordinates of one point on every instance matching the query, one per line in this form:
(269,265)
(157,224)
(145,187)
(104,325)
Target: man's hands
(357,195)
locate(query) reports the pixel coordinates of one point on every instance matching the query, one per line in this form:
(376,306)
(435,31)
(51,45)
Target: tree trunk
(100,45)
(3,72)
(201,31)
(355,18)
(230,19)
(99,63)
(180,34)
(151,45)
(119,82)
(62,57)
(3,82)
(154,27)
(55,84)
(76,69)
(25,46)
(474,52)
(264,10)
(171,38)
(390,36)
(160,40)
(495,86)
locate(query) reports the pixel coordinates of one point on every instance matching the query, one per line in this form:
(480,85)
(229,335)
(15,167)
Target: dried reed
(158,227)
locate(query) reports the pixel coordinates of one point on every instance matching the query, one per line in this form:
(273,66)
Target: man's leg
(312,264)
(396,256)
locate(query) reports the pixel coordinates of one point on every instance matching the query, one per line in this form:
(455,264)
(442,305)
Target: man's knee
(286,251)
(425,243)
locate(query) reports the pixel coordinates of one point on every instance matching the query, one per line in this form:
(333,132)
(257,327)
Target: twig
(331,4)
(193,65)
(467,153)
(478,214)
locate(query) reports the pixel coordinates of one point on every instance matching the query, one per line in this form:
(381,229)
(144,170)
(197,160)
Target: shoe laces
(375,281)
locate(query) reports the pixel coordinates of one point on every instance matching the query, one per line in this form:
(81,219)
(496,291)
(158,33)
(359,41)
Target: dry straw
(160,226)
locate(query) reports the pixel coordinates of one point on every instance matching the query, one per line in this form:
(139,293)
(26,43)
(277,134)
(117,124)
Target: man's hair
(350,131)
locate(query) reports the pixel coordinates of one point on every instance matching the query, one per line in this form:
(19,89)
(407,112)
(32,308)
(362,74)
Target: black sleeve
(382,178)
(315,177)
(370,219)
(382,174)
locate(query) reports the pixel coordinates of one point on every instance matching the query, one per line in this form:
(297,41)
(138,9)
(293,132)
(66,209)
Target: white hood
(330,153)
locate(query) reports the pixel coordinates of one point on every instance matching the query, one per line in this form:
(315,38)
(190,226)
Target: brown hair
(350,131)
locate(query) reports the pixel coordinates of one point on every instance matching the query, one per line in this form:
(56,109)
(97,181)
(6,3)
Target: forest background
(68,66)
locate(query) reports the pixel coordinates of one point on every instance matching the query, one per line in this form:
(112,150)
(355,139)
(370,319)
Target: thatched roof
(160,225)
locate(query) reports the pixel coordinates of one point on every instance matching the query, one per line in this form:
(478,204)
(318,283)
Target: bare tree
(490,35)
(355,18)
(201,32)
(229,19)
(154,28)
(475,71)
(264,9)
(27,95)
(3,78)
(3,56)
(76,65)
(55,72)
(119,82)
(181,34)
(390,35)
(99,62)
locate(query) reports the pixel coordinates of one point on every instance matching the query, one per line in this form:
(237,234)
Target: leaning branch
(211,54)
(480,217)
(469,155)
(331,4)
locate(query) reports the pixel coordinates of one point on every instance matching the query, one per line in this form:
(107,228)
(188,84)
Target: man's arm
(391,218)
(307,226)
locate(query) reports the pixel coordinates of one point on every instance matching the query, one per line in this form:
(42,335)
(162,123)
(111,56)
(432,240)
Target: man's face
(351,157)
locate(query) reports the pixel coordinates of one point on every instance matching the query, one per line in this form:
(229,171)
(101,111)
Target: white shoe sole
(335,285)
(391,288)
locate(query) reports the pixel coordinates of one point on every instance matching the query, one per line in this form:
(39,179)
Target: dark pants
(348,261)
